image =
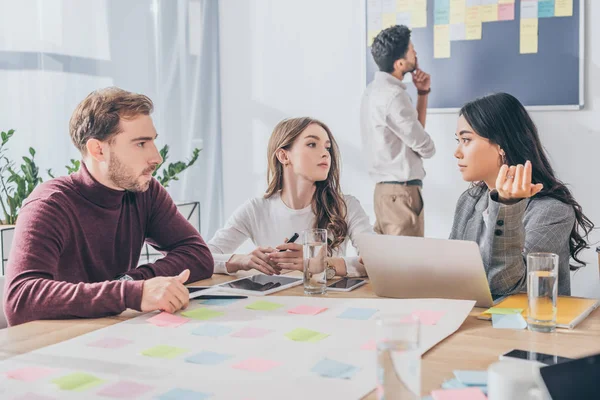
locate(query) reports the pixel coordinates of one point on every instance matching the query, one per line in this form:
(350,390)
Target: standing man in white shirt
(393,134)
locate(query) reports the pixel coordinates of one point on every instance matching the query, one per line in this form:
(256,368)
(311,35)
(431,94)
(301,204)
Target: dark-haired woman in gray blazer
(515,205)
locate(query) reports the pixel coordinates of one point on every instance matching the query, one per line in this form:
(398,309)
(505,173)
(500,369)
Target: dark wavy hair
(503,120)
(328,203)
(389,45)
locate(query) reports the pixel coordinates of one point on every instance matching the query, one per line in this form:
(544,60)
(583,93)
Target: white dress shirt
(393,138)
(267,222)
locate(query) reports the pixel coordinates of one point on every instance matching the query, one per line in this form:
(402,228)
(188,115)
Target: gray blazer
(507,233)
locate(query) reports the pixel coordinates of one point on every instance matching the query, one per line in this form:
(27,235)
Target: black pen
(291,240)
(216,296)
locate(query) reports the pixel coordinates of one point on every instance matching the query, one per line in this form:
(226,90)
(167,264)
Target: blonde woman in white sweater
(303,192)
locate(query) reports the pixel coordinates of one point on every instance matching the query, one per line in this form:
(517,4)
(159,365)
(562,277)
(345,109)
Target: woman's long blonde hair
(328,203)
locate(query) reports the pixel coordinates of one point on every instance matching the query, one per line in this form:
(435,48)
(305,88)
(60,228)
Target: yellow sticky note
(418,18)
(529,36)
(404,5)
(77,381)
(489,13)
(506,1)
(441,41)
(388,19)
(458,11)
(563,8)
(473,30)
(305,335)
(371,36)
(473,14)
(164,351)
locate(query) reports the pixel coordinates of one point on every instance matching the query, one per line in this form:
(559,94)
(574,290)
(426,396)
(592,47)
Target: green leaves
(173,169)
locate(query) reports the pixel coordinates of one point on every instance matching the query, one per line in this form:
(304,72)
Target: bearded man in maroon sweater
(78,238)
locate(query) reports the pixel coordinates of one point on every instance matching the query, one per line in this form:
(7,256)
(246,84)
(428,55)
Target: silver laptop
(410,267)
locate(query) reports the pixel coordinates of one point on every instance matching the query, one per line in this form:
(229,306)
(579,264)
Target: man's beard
(122,176)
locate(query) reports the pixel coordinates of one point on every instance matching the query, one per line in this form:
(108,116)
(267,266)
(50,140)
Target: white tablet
(260,285)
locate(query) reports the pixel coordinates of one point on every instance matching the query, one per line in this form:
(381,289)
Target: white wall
(283,58)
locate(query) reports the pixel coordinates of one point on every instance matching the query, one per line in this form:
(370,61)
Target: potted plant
(17,183)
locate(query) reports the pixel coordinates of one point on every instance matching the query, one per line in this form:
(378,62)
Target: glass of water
(315,253)
(398,357)
(542,291)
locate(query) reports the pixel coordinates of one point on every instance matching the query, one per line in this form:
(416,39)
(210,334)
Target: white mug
(515,379)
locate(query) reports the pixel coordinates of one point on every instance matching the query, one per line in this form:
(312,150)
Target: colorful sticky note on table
(256,365)
(125,390)
(29,374)
(370,345)
(453,384)
(183,394)
(110,343)
(212,330)
(511,321)
(164,351)
(358,313)
(307,310)
(305,335)
(32,396)
(168,320)
(202,314)
(334,369)
(503,311)
(208,358)
(458,394)
(249,332)
(264,306)
(218,302)
(563,8)
(77,381)
(472,378)
(426,317)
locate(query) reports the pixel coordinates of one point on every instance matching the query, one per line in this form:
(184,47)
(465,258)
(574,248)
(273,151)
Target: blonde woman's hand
(514,183)
(290,258)
(258,259)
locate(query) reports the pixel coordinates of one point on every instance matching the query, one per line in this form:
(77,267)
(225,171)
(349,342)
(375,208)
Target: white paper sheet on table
(292,379)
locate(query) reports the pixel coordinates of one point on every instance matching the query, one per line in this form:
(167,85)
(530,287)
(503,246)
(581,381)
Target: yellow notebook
(570,310)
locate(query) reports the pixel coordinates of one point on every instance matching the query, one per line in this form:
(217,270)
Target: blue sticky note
(441,12)
(512,321)
(471,378)
(183,394)
(358,313)
(427,398)
(453,384)
(218,302)
(334,369)
(546,9)
(212,330)
(207,358)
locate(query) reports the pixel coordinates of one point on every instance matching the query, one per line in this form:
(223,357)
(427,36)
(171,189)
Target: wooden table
(474,346)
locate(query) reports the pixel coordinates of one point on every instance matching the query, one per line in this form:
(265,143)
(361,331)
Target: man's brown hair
(98,115)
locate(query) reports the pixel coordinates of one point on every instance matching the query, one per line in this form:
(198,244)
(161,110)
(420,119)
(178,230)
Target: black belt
(413,182)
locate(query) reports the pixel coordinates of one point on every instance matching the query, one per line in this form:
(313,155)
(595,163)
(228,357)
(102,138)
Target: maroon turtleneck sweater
(75,235)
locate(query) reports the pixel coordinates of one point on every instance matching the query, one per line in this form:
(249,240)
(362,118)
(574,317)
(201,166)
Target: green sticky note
(77,382)
(163,351)
(202,314)
(264,305)
(503,311)
(305,335)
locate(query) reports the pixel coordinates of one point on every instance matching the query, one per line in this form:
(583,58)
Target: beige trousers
(399,210)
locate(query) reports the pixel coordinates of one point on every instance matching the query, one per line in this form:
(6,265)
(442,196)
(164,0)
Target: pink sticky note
(506,12)
(167,320)
(370,345)
(307,310)
(110,343)
(29,374)
(458,394)
(33,396)
(426,317)
(125,390)
(257,365)
(249,332)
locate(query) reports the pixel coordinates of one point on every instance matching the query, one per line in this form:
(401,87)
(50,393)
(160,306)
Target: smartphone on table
(345,284)
(548,359)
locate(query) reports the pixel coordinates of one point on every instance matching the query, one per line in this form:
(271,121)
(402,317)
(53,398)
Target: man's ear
(399,65)
(282,156)
(95,149)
